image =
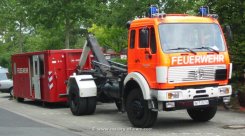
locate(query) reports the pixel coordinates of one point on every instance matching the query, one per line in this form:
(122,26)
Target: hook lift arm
(106,68)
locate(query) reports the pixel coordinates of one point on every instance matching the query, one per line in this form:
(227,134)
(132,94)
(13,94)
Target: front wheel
(202,114)
(137,110)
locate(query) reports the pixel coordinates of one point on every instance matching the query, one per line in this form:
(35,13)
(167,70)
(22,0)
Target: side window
(143,37)
(132,39)
(153,41)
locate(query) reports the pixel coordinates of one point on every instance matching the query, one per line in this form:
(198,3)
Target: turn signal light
(173,95)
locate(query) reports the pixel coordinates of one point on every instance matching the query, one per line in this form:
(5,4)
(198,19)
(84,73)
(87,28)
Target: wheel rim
(137,109)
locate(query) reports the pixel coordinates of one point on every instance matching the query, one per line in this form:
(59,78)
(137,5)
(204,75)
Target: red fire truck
(175,61)
(42,75)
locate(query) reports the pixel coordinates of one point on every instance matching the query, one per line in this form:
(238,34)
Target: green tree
(111,17)
(233,13)
(183,6)
(110,37)
(66,16)
(13,23)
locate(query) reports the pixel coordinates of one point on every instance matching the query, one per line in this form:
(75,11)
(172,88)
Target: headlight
(224,90)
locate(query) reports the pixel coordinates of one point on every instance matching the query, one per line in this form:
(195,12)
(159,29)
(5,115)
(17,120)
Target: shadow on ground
(178,122)
(44,104)
(5,96)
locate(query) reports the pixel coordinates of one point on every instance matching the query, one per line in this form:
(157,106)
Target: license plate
(202,102)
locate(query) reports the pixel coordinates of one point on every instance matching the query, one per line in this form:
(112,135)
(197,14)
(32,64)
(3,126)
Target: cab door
(146,58)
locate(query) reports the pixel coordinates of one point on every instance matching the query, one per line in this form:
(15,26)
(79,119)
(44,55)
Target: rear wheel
(77,105)
(202,114)
(137,110)
(118,104)
(81,106)
(91,105)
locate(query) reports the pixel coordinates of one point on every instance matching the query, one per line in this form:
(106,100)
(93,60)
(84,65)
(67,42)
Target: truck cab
(181,62)
(180,51)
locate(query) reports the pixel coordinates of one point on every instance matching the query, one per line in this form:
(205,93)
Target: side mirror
(228,33)
(144,34)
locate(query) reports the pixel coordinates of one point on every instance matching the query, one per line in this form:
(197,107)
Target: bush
(118,60)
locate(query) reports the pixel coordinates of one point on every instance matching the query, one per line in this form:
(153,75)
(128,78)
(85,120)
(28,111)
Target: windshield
(194,37)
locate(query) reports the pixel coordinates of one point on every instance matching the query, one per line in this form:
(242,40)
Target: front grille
(184,74)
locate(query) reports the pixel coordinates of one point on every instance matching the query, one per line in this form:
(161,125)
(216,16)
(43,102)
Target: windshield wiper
(208,48)
(186,49)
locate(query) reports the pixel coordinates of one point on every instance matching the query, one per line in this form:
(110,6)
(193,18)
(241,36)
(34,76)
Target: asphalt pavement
(34,119)
(12,124)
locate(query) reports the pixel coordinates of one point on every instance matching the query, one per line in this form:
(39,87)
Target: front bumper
(188,104)
(185,98)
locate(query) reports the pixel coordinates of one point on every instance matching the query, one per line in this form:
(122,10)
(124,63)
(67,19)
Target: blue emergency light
(203,11)
(152,10)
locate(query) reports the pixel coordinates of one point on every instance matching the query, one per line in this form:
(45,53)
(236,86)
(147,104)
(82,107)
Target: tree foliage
(110,37)
(34,25)
(233,13)
(65,16)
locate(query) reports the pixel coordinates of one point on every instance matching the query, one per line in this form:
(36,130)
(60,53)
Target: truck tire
(91,105)
(202,114)
(118,104)
(137,110)
(19,99)
(78,106)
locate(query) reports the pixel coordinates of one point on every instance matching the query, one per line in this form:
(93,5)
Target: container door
(36,76)
(60,70)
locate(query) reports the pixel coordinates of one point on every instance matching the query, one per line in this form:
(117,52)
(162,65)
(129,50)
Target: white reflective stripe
(230,72)
(50,72)
(50,79)
(51,86)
